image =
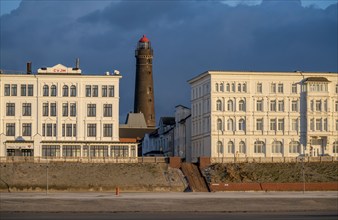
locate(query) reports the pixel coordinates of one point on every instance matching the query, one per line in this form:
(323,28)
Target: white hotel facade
(264,114)
(59,112)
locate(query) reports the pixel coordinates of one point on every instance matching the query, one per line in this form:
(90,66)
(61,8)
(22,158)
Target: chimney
(29,67)
(77,63)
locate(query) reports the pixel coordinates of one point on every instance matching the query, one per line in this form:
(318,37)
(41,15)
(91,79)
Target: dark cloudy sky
(188,37)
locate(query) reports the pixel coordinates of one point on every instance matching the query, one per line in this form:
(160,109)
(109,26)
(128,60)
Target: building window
(294,106)
(280,124)
(30,90)
(107,110)
(69,130)
(45,90)
(104,91)
(53,90)
(325,124)
(294,147)
(71,151)
(65,91)
(52,109)
(312,124)
(325,105)
(273,88)
(91,130)
(230,105)
(111,91)
(294,88)
(219,147)
(231,147)
(318,124)
(239,87)
(26,109)
(335,147)
(228,87)
(91,110)
(26,129)
(49,130)
(95,92)
(73,91)
(280,88)
(273,105)
(259,105)
(281,105)
(23,90)
(219,105)
(242,106)
(259,124)
(242,147)
(50,151)
(219,125)
(241,125)
(216,87)
(336,124)
(45,109)
(230,125)
(88,90)
(10,129)
(64,109)
(244,87)
(277,147)
(7,91)
(294,125)
(10,109)
(221,87)
(72,112)
(336,88)
(14,90)
(273,124)
(259,88)
(107,130)
(259,147)
(312,105)
(318,105)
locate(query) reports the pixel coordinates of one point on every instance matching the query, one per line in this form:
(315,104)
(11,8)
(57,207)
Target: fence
(271,159)
(14,159)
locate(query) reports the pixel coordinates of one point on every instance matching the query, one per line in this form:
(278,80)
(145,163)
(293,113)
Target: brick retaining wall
(331,186)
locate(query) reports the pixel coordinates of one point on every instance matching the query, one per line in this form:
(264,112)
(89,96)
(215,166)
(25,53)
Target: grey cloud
(188,38)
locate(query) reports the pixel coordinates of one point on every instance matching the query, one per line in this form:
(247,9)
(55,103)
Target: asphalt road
(220,205)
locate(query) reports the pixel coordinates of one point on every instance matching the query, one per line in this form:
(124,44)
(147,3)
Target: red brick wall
(204,162)
(332,186)
(175,162)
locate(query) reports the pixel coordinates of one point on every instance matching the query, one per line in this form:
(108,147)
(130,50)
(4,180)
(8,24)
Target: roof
(168,120)
(135,120)
(135,133)
(316,79)
(144,39)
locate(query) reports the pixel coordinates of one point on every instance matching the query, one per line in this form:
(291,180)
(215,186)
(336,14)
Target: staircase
(195,179)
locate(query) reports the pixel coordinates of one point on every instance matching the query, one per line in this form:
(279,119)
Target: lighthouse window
(150,100)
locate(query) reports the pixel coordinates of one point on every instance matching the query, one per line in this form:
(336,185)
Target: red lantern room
(143,43)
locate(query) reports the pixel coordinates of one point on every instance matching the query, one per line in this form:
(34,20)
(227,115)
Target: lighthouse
(144,87)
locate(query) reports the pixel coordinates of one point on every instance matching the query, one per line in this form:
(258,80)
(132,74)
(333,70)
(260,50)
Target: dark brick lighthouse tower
(144,88)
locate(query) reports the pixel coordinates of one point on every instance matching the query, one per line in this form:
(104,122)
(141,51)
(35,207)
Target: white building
(60,113)
(264,114)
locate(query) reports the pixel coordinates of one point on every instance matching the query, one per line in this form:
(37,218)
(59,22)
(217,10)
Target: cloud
(188,38)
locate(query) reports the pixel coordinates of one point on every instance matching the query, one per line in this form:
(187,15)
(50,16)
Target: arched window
(216,87)
(335,147)
(73,91)
(241,105)
(244,87)
(219,105)
(221,87)
(277,147)
(219,125)
(65,90)
(230,125)
(294,147)
(230,105)
(228,87)
(242,148)
(239,87)
(233,86)
(45,90)
(241,124)
(219,147)
(259,147)
(53,90)
(231,147)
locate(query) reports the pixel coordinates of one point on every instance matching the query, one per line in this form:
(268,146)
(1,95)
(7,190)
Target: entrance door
(317,147)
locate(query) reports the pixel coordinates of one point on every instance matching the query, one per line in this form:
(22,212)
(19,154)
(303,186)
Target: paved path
(170,202)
